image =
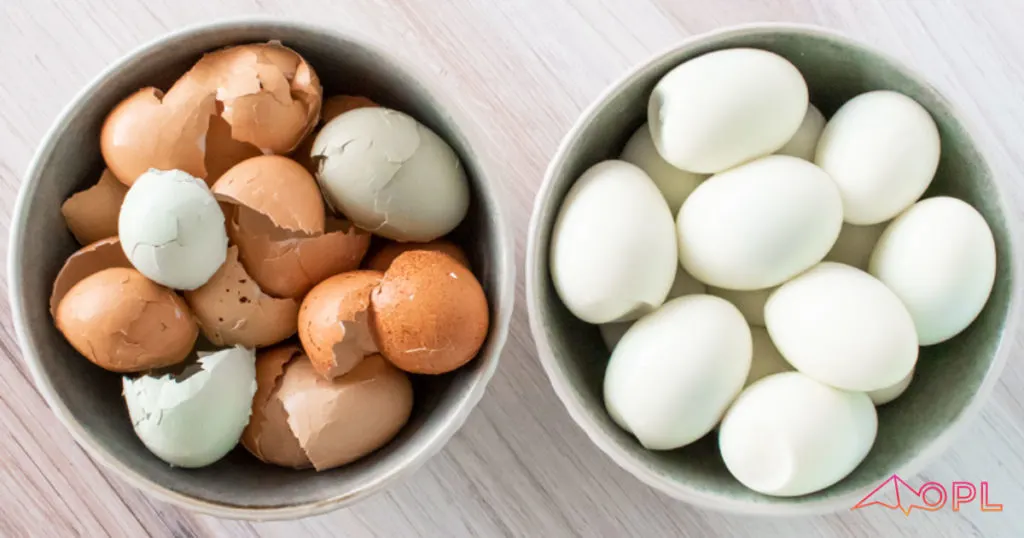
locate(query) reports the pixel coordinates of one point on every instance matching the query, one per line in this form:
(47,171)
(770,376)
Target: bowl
(952,381)
(88,400)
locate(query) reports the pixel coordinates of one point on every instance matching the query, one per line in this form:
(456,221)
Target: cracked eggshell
(334,322)
(391,175)
(268,436)
(195,418)
(172,229)
(277,187)
(382,259)
(124,322)
(91,214)
(233,310)
(333,107)
(429,314)
(86,261)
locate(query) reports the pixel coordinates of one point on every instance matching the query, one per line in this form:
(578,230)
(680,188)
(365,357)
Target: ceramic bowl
(953,380)
(88,400)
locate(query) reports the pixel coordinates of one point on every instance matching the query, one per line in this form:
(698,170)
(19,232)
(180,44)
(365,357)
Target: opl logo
(929,497)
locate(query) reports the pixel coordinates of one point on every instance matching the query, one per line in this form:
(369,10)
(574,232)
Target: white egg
(172,229)
(391,175)
(684,284)
(766,360)
(854,245)
(196,418)
(882,149)
(674,184)
(939,258)
(842,327)
(750,302)
(725,108)
(805,141)
(676,370)
(613,249)
(759,224)
(888,394)
(789,435)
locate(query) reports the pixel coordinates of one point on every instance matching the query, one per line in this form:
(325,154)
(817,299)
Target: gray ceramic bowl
(88,400)
(952,380)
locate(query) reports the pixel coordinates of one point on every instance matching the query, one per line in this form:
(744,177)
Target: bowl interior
(949,376)
(70,160)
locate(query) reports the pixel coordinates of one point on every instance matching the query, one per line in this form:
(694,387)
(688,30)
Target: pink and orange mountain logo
(896,494)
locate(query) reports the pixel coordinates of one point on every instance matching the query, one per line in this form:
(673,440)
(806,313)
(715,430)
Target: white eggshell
(789,435)
(841,326)
(675,371)
(805,141)
(172,229)
(882,149)
(939,258)
(725,108)
(390,174)
(751,303)
(854,245)
(684,284)
(674,184)
(613,249)
(194,419)
(888,394)
(759,224)
(766,360)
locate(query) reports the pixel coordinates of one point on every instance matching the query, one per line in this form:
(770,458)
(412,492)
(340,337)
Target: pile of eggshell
(240,205)
(700,255)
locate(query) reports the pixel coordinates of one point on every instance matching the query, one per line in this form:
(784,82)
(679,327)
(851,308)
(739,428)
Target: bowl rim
(497,334)
(574,404)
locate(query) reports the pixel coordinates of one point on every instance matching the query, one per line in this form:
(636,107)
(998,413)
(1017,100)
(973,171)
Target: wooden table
(525,69)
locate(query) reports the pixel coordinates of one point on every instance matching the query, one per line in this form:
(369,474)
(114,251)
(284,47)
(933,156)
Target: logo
(896,494)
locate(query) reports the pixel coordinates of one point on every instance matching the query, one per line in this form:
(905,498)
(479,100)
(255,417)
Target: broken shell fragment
(333,322)
(91,214)
(268,436)
(86,261)
(382,259)
(277,187)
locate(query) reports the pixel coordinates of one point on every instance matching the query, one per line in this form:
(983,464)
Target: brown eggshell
(344,419)
(270,96)
(91,214)
(124,322)
(233,310)
(90,259)
(277,187)
(152,130)
(288,264)
(333,322)
(333,107)
(429,314)
(222,151)
(268,436)
(382,259)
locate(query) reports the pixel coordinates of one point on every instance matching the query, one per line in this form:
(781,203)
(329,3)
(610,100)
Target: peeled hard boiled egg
(676,370)
(882,149)
(172,229)
(789,435)
(613,248)
(805,141)
(759,224)
(939,258)
(726,107)
(674,184)
(841,326)
(196,418)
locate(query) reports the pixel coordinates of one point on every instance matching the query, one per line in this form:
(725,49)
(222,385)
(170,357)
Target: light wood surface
(524,69)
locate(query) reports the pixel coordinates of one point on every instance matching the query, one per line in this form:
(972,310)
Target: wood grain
(524,69)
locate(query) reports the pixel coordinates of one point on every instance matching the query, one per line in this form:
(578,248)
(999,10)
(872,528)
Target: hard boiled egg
(675,184)
(888,394)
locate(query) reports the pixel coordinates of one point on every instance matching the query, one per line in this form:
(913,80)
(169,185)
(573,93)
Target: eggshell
(939,258)
(382,259)
(684,284)
(805,141)
(788,435)
(854,245)
(86,261)
(766,360)
(613,249)
(750,302)
(268,436)
(759,224)
(123,322)
(172,229)
(391,175)
(333,107)
(725,108)
(675,184)
(233,310)
(334,322)
(288,264)
(676,370)
(842,327)
(91,214)
(888,394)
(882,149)
(429,314)
(196,418)
(222,151)
(277,187)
